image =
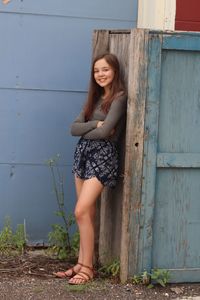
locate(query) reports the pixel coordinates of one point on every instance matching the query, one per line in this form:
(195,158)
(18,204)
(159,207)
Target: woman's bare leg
(78,185)
(84,213)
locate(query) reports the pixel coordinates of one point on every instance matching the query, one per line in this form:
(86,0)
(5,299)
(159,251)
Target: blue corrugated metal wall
(45,54)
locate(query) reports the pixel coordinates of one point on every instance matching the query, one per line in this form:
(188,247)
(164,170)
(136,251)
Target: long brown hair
(96,91)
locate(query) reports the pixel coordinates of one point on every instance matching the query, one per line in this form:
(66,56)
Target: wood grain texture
(178,160)
(181,42)
(176,222)
(150,151)
(134,151)
(100,42)
(111,200)
(154,211)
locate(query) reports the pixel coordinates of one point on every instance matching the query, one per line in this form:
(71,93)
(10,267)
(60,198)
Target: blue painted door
(170,219)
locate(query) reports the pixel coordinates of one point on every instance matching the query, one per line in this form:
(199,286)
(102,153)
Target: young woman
(96,157)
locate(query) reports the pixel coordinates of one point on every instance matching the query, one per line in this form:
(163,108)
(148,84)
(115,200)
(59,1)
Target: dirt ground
(30,277)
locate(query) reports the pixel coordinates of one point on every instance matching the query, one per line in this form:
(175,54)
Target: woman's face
(103,73)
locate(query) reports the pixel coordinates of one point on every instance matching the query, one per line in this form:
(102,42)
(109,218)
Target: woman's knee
(83,212)
(79,213)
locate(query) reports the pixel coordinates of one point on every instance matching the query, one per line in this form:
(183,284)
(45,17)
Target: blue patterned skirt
(96,158)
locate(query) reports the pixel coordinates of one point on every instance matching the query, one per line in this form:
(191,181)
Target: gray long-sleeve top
(114,119)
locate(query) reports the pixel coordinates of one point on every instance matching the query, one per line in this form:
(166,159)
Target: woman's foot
(85,274)
(70,272)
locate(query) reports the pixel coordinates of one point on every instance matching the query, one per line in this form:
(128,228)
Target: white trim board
(156,14)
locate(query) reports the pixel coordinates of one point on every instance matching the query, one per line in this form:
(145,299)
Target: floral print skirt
(96,158)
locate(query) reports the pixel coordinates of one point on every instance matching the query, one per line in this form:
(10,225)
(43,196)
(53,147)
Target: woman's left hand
(99,124)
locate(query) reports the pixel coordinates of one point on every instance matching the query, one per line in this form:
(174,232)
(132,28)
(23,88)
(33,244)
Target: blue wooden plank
(106,9)
(179,125)
(176,216)
(184,275)
(181,42)
(48,53)
(150,150)
(35,125)
(176,219)
(27,193)
(178,160)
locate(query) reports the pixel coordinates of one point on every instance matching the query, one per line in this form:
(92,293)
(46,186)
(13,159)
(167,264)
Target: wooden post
(137,79)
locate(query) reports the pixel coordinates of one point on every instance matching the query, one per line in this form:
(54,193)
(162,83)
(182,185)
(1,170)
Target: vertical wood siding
(45,58)
(170,198)
(160,203)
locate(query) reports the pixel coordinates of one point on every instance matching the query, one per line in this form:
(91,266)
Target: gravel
(30,277)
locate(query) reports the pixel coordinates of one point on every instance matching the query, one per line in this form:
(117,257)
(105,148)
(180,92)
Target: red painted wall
(187,15)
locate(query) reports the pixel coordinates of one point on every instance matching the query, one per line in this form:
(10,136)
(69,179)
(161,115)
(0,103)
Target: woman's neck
(106,93)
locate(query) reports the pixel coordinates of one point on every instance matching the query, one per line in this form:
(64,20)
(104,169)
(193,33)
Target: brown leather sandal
(83,276)
(63,274)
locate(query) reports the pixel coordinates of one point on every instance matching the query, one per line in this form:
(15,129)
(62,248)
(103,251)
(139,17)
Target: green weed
(159,276)
(156,276)
(61,243)
(111,269)
(10,241)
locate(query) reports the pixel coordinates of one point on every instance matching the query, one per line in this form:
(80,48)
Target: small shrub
(11,242)
(157,276)
(111,269)
(20,238)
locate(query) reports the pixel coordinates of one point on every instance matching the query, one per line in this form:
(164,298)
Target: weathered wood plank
(179,108)
(100,41)
(184,275)
(178,160)
(111,200)
(146,193)
(105,230)
(176,219)
(150,151)
(119,45)
(181,42)
(137,78)
(176,222)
